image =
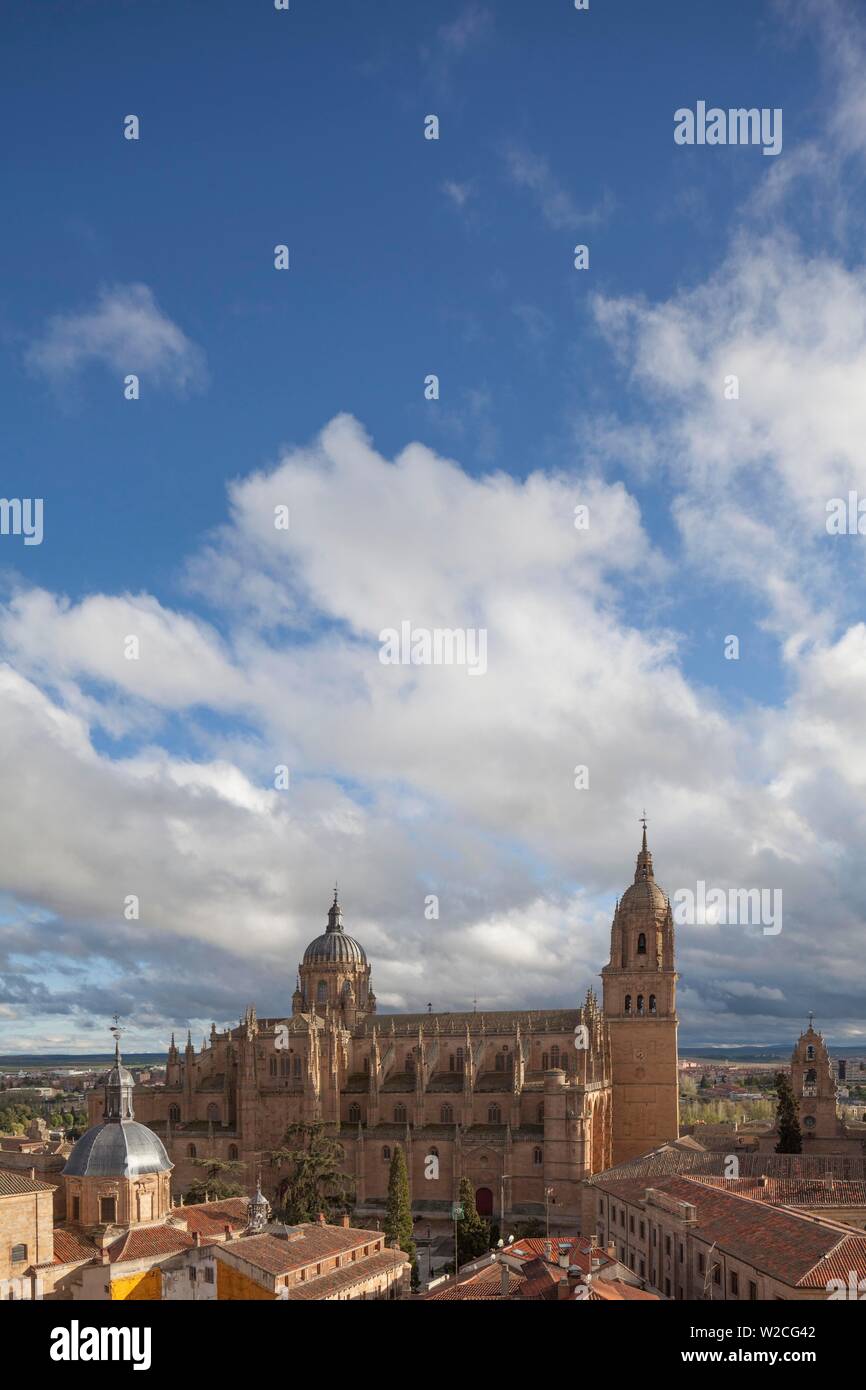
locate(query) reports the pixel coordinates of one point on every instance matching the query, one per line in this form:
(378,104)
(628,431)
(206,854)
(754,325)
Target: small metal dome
(117,1149)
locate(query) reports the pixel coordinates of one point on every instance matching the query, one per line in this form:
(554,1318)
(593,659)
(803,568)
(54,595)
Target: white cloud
(558,207)
(126,332)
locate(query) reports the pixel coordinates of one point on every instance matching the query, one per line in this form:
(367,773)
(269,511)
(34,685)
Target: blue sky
(408,257)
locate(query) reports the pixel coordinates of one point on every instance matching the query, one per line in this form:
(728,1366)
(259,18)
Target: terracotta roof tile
(306,1244)
(211,1218)
(143,1241)
(782,1243)
(339,1279)
(72,1247)
(13,1183)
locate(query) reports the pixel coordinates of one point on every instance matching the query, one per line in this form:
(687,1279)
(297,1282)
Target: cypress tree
(790,1138)
(473,1232)
(398,1218)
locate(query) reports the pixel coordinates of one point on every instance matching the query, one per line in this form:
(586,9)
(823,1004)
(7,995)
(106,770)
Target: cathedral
(526,1103)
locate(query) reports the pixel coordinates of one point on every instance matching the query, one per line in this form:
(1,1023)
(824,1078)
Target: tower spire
(335,915)
(644,867)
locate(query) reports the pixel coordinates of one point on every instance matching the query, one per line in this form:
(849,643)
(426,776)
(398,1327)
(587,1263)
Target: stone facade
(524,1103)
(26,1230)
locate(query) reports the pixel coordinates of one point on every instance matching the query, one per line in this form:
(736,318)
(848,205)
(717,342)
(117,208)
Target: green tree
(213,1187)
(790,1138)
(315,1181)
(398,1217)
(473,1232)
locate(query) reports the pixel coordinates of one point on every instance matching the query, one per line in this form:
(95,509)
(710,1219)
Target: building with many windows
(526,1103)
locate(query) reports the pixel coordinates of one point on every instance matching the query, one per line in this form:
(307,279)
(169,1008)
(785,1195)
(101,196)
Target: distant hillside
(71,1059)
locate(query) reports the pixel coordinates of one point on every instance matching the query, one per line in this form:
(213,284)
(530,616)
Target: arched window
(628,1003)
(174,1114)
(190,1151)
(284,1066)
(272,1066)
(653,1004)
(233,1153)
(537,1157)
(810,1053)
(213,1113)
(297,1065)
(354,1114)
(410,1062)
(399,1114)
(554,1055)
(494,1115)
(386,1152)
(640,1003)
(322,992)
(811,1077)
(446,1115)
(451,1062)
(641,944)
(460,1059)
(539,1114)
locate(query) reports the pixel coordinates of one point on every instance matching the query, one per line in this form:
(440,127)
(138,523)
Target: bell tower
(814,1087)
(640,1010)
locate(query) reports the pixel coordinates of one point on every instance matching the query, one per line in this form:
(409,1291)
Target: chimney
(503,1279)
(103,1255)
(32,1174)
(345,1220)
(228,1230)
(321,1218)
(611,1251)
(196,1238)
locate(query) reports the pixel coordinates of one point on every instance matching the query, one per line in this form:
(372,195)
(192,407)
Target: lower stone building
(26,1232)
(689,1238)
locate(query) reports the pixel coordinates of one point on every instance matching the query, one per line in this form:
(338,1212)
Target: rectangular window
(192,1274)
(643,1230)
(753,1290)
(643,1269)
(667,1245)
(682,1252)
(717,1274)
(701,1264)
(667,1288)
(735,1283)
(107,1210)
(208,1274)
(622,1216)
(655,1235)
(76,1208)
(631,1224)
(19,1254)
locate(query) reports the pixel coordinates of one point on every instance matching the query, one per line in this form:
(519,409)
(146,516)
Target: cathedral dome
(644,896)
(335,946)
(117,1149)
